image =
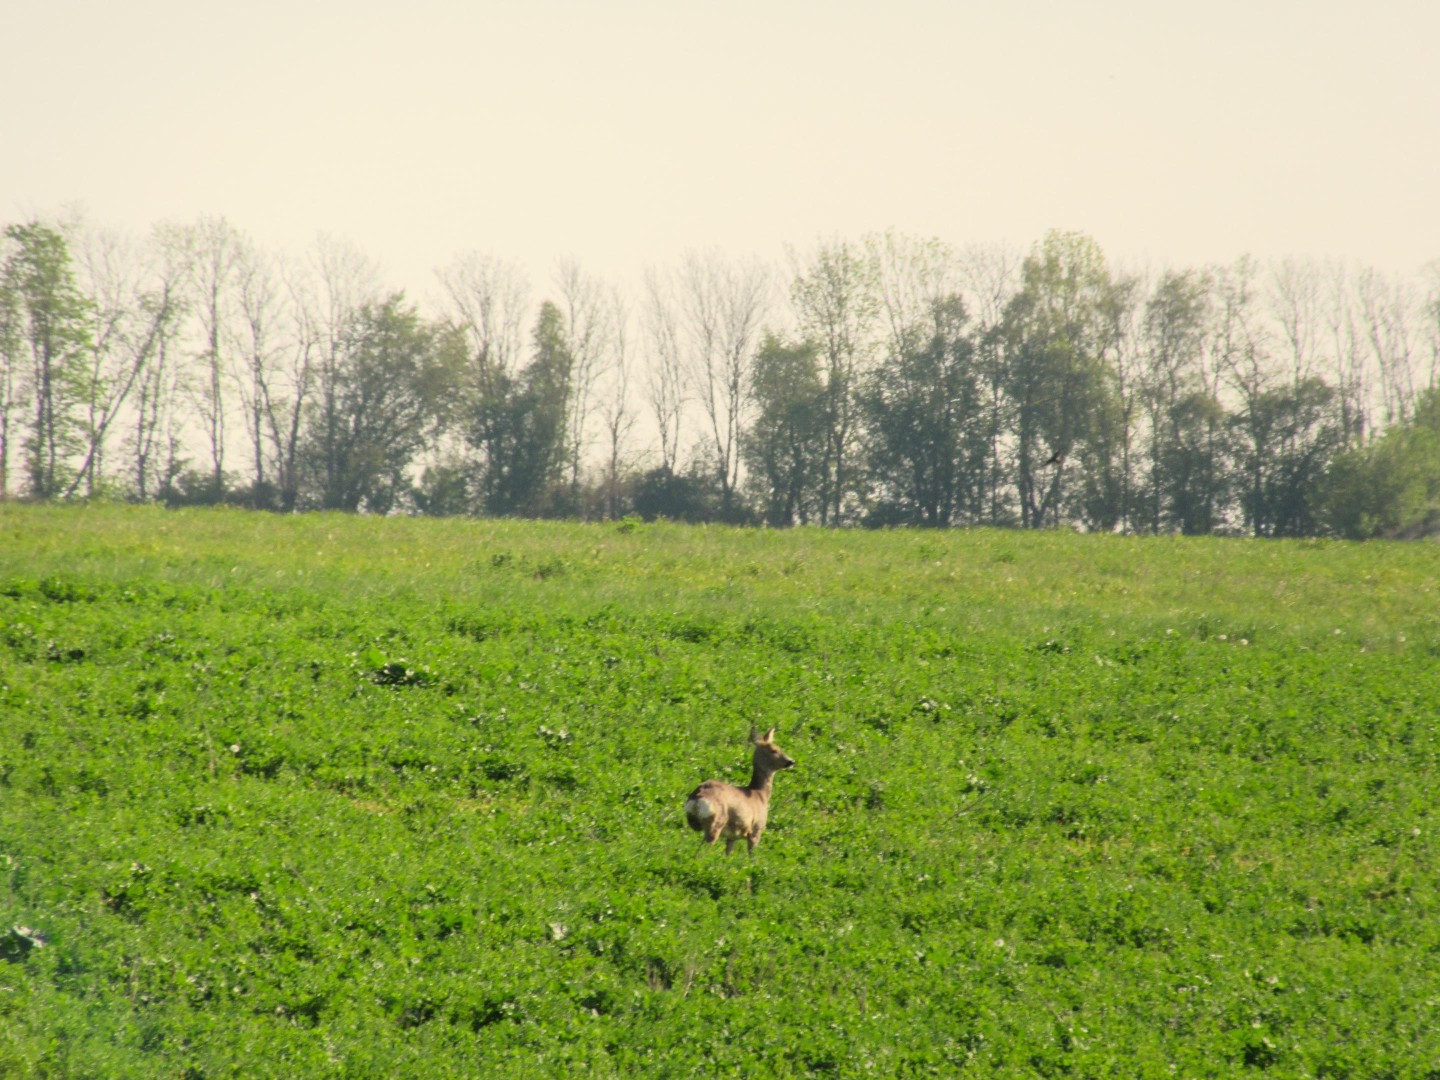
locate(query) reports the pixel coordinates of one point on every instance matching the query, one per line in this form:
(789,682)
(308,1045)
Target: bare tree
(914,276)
(582,303)
(1242,345)
(617,414)
(341,281)
(137,302)
(258,350)
(280,329)
(155,444)
(284,320)
(1347,353)
(489,298)
(106,273)
(216,259)
(1295,301)
(1432,325)
(722,305)
(665,384)
(1385,312)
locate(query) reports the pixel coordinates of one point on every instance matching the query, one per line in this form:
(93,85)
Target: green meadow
(353,797)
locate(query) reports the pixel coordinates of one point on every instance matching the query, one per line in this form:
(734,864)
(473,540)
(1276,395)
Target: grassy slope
(355,797)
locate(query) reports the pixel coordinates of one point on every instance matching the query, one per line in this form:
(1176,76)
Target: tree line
(884,381)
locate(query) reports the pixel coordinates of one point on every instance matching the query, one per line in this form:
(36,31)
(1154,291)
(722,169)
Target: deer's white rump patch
(699,810)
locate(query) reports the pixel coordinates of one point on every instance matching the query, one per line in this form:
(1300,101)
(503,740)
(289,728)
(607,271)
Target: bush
(1390,487)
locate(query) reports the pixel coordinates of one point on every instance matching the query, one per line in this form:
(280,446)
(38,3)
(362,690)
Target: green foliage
(835,294)
(391,392)
(929,449)
(44,338)
(1058,333)
(1390,487)
(340,796)
(1286,438)
(517,423)
(1188,465)
(661,493)
(1057,393)
(785,446)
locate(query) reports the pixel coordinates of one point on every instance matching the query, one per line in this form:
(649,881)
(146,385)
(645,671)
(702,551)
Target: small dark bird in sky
(1055,459)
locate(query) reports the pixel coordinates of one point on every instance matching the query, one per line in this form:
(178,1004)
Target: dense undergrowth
(352,797)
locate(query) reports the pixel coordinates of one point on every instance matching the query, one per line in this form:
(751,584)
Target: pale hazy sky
(622,133)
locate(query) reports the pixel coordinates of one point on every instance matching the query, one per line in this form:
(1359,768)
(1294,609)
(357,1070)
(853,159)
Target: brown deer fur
(718,809)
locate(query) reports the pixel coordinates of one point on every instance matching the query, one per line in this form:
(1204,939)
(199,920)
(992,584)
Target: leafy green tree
(12,359)
(1185,469)
(1191,466)
(784,447)
(836,297)
(924,412)
(493,429)
(518,424)
(692,496)
(1389,487)
(54,327)
(1286,438)
(443,490)
(1056,336)
(394,388)
(488,301)
(1106,491)
(547,386)
(989,277)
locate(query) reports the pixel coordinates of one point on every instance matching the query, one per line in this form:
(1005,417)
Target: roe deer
(718,809)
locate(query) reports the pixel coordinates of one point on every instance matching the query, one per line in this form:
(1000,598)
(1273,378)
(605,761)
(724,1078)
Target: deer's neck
(761,781)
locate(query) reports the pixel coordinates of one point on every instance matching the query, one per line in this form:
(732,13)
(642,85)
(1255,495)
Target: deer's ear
(754,738)
(770,735)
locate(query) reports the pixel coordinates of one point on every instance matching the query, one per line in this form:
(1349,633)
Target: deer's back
(740,809)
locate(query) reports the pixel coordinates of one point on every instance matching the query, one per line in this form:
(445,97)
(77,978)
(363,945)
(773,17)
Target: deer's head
(768,756)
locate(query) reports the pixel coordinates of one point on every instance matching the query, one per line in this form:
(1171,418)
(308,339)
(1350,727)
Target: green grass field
(329,796)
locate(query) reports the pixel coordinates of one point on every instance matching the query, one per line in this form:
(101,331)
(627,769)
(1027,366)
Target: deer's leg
(708,840)
(729,844)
